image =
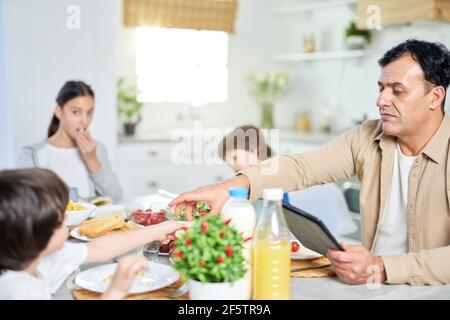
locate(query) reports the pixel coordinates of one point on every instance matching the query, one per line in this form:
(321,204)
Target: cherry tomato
(153,219)
(295,246)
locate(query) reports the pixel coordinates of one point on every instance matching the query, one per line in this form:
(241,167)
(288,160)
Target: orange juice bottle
(271,251)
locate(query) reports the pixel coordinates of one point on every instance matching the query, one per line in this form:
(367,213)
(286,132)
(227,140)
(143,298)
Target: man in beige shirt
(402,162)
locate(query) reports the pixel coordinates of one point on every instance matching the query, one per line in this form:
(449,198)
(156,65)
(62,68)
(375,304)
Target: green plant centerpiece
(128,106)
(357,38)
(266,88)
(210,251)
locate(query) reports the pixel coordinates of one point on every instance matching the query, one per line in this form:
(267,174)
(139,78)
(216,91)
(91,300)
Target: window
(181,65)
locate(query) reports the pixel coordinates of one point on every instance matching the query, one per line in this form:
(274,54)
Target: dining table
(319,288)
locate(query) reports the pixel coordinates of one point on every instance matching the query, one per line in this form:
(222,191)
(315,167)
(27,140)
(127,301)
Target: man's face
(403,100)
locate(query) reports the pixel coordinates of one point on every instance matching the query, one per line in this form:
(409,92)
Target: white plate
(74,233)
(156,277)
(304,254)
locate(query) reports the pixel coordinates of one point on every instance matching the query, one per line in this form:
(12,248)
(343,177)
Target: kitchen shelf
(327,55)
(313,6)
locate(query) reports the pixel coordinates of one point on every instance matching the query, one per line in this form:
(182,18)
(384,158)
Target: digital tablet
(309,230)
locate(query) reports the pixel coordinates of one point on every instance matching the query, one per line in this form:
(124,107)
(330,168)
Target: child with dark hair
(243,147)
(34,257)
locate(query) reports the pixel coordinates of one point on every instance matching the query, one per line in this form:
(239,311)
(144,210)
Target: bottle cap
(273,194)
(238,192)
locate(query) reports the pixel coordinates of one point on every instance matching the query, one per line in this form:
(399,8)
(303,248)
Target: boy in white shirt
(34,257)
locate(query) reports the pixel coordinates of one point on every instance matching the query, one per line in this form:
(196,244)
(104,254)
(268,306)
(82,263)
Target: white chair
(327,202)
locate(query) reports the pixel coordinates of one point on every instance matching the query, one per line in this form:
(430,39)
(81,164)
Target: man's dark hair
(32,205)
(433,58)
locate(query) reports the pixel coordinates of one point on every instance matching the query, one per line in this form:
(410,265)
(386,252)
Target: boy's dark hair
(247,138)
(433,58)
(32,205)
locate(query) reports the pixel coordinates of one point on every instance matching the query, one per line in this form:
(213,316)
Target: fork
(179,292)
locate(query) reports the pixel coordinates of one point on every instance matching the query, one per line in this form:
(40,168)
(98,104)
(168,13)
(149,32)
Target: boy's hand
(166,228)
(122,280)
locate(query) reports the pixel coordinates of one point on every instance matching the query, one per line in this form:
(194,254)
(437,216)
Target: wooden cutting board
(83,294)
(312,273)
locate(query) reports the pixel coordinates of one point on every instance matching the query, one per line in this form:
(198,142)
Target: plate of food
(101,201)
(147,217)
(97,227)
(157,276)
(299,252)
(78,212)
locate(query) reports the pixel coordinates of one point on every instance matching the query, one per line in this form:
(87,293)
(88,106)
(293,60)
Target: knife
(320,266)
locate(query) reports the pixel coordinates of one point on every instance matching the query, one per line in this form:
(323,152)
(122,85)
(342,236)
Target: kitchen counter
(312,137)
(150,138)
(285,135)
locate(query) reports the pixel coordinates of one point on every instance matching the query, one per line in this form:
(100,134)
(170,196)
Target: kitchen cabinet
(306,10)
(146,167)
(402,11)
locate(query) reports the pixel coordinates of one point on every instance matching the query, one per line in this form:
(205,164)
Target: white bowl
(74,218)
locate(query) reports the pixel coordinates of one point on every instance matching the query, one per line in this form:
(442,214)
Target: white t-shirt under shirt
(53,270)
(69,166)
(392,235)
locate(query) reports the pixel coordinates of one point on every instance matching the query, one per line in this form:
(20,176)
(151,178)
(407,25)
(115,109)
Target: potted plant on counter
(209,255)
(357,38)
(265,88)
(128,105)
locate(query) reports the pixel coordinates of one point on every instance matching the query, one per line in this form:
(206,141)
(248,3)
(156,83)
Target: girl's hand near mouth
(87,146)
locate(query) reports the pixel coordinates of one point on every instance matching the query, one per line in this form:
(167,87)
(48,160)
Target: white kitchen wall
(42,53)
(6,146)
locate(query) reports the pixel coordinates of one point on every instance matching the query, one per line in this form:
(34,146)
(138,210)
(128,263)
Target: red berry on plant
(204,227)
(219,259)
(202,264)
(180,254)
(229,251)
(188,241)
